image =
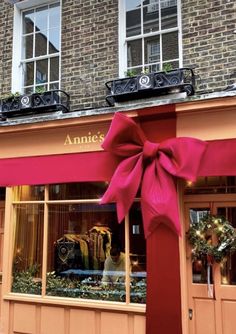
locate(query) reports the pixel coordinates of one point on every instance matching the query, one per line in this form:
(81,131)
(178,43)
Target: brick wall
(6,19)
(209,43)
(90,46)
(89,50)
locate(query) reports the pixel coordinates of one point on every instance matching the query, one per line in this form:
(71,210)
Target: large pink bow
(151,165)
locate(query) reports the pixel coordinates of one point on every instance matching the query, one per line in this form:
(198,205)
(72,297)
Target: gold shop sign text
(58,140)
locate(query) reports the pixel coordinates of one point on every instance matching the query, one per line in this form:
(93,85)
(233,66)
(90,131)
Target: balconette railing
(48,101)
(151,84)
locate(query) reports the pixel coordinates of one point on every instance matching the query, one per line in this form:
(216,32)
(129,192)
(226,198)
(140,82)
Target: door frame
(186,200)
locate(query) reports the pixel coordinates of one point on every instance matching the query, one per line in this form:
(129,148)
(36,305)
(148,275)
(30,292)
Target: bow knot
(175,157)
(150,150)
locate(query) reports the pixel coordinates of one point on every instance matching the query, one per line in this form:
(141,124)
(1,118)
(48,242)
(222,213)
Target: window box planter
(35,103)
(152,84)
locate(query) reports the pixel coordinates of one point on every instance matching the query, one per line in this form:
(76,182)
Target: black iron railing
(151,84)
(49,101)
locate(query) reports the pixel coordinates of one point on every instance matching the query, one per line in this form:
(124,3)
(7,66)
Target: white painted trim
(123,39)
(17,72)
(179,17)
(16,49)
(122,48)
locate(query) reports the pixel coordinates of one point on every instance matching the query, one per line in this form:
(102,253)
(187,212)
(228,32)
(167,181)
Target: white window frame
(17,72)
(123,39)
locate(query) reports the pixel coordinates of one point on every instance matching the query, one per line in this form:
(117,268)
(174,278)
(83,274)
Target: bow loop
(176,157)
(150,150)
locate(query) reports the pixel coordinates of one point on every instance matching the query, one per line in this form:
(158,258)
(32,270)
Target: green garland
(201,237)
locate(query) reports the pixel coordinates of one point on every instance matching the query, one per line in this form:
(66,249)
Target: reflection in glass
(199,266)
(152,49)
(28,193)
(170,46)
(80,239)
(28,22)
(54,86)
(137,255)
(228,265)
(27,46)
(54,69)
(133,18)
(151,18)
(28,247)
(29,74)
(82,190)
(41,18)
(54,40)
(168,14)
(41,71)
(134,53)
(41,44)
(54,13)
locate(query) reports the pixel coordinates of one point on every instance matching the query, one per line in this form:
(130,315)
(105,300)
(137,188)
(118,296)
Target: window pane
(28,193)
(133,17)
(28,90)
(168,14)
(28,22)
(83,190)
(54,40)
(228,265)
(137,255)
(134,53)
(151,17)
(54,86)
(170,46)
(41,71)
(41,18)
(152,49)
(29,74)
(54,16)
(79,244)
(27,47)
(54,69)
(41,44)
(199,266)
(28,247)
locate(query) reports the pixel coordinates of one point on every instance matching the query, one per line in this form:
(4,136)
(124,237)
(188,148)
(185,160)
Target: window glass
(86,249)
(133,17)
(137,255)
(151,17)
(134,49)
(40,41)
(148,42)
(29,74)
(199,266)
(54,40)
(82,190)
(41,44)
(168,14)
(80,240)
(28,22)
(27,49)
(170,46)
(54,69)
(28,193)
(28,247)
(152,49)
(41,71)
(54,13)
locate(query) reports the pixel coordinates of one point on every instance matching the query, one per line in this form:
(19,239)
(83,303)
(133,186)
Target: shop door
(211,307)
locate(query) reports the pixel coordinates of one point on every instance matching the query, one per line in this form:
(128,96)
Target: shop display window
(68,245)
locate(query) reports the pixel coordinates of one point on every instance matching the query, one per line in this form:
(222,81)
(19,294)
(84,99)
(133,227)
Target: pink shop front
(58,235)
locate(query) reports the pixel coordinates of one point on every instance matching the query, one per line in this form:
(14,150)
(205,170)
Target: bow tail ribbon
(159,200)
